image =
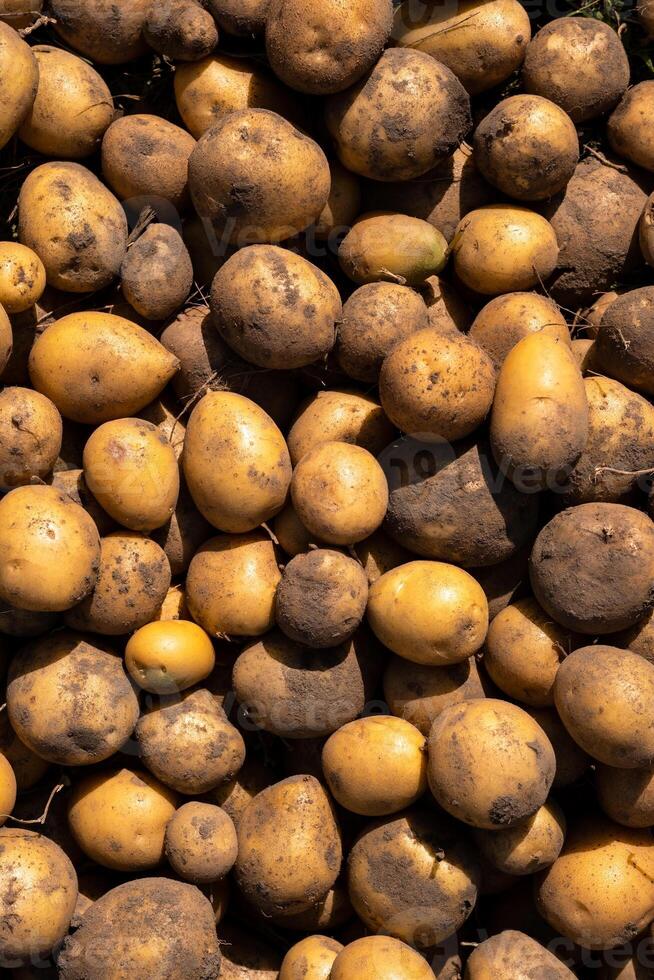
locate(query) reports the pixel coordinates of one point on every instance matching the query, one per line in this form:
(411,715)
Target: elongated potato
(17,60)
(106,32)
(392,247)
(181,30)
(512,954)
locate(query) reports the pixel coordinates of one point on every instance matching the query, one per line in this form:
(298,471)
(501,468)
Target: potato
(294,696)
(539,422)
(339,416)
(599,693)
(321,598)
(257,178)
(639,638)
(236,462)
(8,789)
(169,656)
(188,743)
(378,554)
(24,770)
(80,234)
(452,503)
(245,956)
(311,958)
(503,774)
(242,18)
(418,693)
(624,348)
(481,42)
(512,954)
(331,912)
(595,221)
(378,138)
(582,351)
(110,34)
(6,344)
(327,48)
(156,274)
(30,437)
(158,925)
(371,956)
(392,247)
(72,109)
(181,30)
(528,847)
(275,309)
(600,891)
(174,606)
(200,843)
(235,795)
(49,550)
(502,248)
(339,492)
(591,567)
(22,277)
(183,534)
(289,847)
(20,13)
(645,232)
(38,891)
(343,204)
(97,367)
(429,612)
(294,538)
(16,58)
(132,583)
(625,130)
(626,795)
(507,319)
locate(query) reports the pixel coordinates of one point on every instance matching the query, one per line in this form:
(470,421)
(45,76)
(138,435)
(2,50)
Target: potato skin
(167,656)
(592,566)
(418,693)
(22,277)
(529,847)
(180,29)
(626,134)
(646,231)
(20,13)
(183,534)
(626,795)
(80,233)
(249,195)
(310,959)
(17,58)
(507,319)
(156,273)
(571,761)
(106,32)
(513,954)
(376,140)
(242,18)
(394,247)
(200,843)
(296,859)
(8,789)
(470,786)
(624,347)
(6,341)
(339,416)
(30,437)
(366,958)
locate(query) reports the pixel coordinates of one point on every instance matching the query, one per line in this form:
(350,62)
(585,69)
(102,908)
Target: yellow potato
(418,693)
(200,843)
(30,437)
(106,32)
(28,768)
(512,954)
(8,789)
(339,416)
(17,59)
(626,795)
(169,656)
(22,277)
(530,846)
(507,319)
(311,958)
(374,956)
(627,135)
(393,247)
(6,341)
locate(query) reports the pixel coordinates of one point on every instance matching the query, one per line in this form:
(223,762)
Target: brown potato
(22,277)
(343,204)
(528,847)
(132,583)
(626,795)
(169,656)
(371,956)
(626,133)
(235,795)
(447,309)
(582,351)
(24,623)
(639,638)
(181,30)
(418,693)
(507,319)
(244,955)
(393,247)
(381,139)
(339,416)
(157,274)
(24,768)
(30,437)
(200,843)
(17,58)
(624,348)
(20,13)
(571,761)
(469,783)
(646,231)
(511,954)
(240,17)
(8,789)
(591,567)
(504,582)
(378,554)
(331,912)
(311,958)
(107,33)
(183,534)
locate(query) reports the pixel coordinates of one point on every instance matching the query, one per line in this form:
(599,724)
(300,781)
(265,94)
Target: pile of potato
(326,508)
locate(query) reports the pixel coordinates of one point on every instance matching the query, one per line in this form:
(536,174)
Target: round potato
(339,416)
(626,795)
(132,583)
(169,656)
(30,437)
(200,843)
(311,958)
(275,309)
(511,954)
(294,538)
(257,178)
(378,137)
(157,274)
(49,550)
(508,319)
(243,18)
(8,789)
(624,348)
(418,693)
(626,134)
(429,612)
(72,109)
(22,277)
(528,847)
(181,30)
(592,566)
(372,956)
(472,783)
(16,59)
(107,33)
(392,247)
(502,248)
(571,761)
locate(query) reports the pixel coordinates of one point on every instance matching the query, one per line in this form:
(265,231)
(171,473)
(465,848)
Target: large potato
(97,367)
(339,416)
(106,32)
(236,462)
(16,60)
(74,224)
(30,437)
(408,114)
(624,348)
(418,693)
(156,274)
(393,247)
(626,133)
(507,319)
(512,954)
(372,956)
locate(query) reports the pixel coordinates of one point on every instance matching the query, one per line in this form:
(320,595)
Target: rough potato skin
(240,17)
(507,319)
(592,567)
(30,437)
(624,348)
(626,133)
(645,232)
(157,274)
(325,48)
(155,925)
(402,119)
(339,416)
(580,64)
(418,692)
(513,954)
(180,29)
(200,842)
(17,60)
(107,32)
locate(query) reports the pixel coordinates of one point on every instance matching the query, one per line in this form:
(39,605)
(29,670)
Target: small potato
(180,30)
(30,437)
(156,274)
(343,204)
(26,766)
(624,348)
(376,766)
(646,231)
(339,492)
(527,147)
(6,342)
(174,606)
(626,795)
(257,178)
(200,843)
(539,422)
(79,233)
(331,912)
(626,133)
(294,538)
(503,774)
(321,598)
(582,351)
(379,137)
(33,868)
(169,656)
(339,416)
(418,693)
(97,367)
(242,18)
(508,319)
(236,462)
(231,583)
(16,58)
(513,954)
(87,708)
(580,64)
(599,694)
(131,470)
(592,567)
(22,277)
(275,309)
(49,550)
(147,156)
(72,109)
(436,387)
(235,795)
(429,612)
(311,958)
(372,956)
(119,818)
(528,847)
(132,583)
(375,318)
(502,248)
(571,761)
(600,891)
(639,638)
(289,847)
(183,534)
(8,789)
(106,32)
(379,553)
(328,47)
(392,247)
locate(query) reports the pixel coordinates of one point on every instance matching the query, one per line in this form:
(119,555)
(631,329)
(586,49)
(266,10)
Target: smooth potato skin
(513,954)
(507,319)
(17,58)
(571,761)
(418,693)
(366,958)
(30,437)
(8,789)
(22,277)
(6,339)
(626,134)
(310,959)
(169,655)
(339,416)
(393,247)
(529,847)
(626,795)
(106,32)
